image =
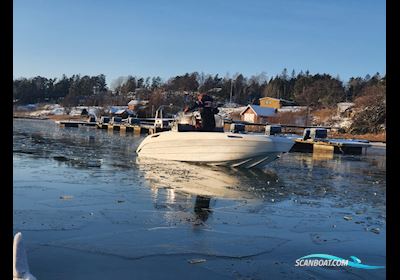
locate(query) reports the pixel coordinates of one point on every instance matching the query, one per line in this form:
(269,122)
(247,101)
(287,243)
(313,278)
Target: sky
(164,38)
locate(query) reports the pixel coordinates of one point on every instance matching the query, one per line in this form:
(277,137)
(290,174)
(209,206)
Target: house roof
(261,111)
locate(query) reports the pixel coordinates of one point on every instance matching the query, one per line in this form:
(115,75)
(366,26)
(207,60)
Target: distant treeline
(319,90)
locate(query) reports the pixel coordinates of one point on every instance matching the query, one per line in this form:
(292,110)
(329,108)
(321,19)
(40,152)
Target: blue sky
(169,38)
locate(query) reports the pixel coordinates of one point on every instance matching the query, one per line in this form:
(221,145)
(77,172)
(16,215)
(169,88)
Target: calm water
(89,209)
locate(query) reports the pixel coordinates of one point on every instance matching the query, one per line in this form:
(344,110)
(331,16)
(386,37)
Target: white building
(257,114)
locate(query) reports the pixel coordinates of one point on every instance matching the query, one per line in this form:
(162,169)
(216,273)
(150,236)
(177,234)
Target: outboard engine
(273,129)
(306,134)
(92,119)
(115,120)
(315,133)
(237,128)
(104,119)
(318,133)
(133,121)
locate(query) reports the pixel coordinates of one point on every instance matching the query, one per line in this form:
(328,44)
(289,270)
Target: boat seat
(185,127)
(188,127)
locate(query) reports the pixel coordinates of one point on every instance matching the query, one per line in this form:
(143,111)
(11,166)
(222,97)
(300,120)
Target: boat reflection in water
(178,185)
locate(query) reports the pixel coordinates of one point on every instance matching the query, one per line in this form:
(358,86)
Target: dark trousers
(207,120)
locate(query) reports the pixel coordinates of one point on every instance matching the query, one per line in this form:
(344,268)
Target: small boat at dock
(316,140)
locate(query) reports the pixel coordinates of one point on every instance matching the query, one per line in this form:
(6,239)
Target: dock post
(136,130)
(144,130)
(323,148)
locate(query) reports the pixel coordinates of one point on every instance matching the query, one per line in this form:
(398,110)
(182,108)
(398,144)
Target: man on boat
(205,106)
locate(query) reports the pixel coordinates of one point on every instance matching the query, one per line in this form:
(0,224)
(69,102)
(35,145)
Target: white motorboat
(216,148)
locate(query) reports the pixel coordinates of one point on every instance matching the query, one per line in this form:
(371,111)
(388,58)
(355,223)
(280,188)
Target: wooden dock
(75,123)
(123,127)
(136,128)
(142,128)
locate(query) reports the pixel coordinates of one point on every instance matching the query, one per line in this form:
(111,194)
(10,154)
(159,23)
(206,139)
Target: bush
(371,107)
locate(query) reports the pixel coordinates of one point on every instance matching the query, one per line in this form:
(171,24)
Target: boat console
(186,122)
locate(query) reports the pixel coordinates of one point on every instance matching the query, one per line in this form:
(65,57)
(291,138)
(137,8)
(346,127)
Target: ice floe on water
(82,193)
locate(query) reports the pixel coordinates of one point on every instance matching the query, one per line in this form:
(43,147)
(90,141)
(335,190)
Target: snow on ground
(40,113)
(292,109)
(338,121)
(56,109)
(226,112)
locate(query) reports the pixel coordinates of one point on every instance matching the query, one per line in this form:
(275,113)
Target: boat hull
(215,148)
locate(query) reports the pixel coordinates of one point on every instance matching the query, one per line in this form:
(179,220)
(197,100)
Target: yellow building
(274,102)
